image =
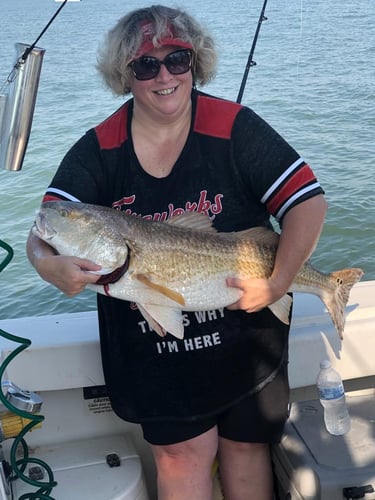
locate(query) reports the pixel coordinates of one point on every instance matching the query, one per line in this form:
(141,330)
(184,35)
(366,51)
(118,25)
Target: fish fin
(163,319)
(260,234)
(281,308)
(171,294)
(151,321)
(193,220)
(336,302)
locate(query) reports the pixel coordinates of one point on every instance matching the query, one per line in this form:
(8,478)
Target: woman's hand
(68,274)
(258,293)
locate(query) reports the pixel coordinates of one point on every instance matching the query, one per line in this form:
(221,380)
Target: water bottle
(332,398)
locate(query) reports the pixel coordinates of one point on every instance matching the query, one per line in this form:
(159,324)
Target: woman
(223,390)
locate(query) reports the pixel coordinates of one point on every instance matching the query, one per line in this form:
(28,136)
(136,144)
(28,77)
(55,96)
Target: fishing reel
(22,401)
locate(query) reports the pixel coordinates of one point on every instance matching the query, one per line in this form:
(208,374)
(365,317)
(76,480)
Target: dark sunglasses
(148,67)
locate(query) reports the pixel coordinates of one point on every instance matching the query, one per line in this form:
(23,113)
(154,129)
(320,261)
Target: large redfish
(181,264)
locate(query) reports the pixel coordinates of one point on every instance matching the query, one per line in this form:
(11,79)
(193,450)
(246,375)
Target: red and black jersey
(235,168)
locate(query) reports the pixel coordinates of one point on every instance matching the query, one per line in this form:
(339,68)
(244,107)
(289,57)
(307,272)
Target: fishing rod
(12,75)
(29,49)
(250,61)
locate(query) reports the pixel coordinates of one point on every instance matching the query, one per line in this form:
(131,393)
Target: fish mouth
(41,229)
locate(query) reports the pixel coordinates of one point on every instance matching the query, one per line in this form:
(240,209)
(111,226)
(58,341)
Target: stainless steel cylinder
(17,106)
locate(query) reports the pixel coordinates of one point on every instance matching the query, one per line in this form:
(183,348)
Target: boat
(59,435)
(92,453)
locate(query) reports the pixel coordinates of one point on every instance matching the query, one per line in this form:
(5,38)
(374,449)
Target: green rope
(19,465)
(8,257)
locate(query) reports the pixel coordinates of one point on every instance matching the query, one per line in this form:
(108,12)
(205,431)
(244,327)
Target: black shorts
(258,418)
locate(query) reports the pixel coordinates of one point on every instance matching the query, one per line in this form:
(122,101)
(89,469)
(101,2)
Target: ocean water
(313,81)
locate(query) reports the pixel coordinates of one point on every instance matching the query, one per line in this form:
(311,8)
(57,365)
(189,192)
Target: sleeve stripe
(294,166)
(50,197)
(296,196)
(61,193)
(302,178)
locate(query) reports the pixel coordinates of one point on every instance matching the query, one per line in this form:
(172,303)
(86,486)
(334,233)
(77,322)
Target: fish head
(82,230)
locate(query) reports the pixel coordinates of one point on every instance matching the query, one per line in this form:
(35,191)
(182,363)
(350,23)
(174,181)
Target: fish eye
(64,212)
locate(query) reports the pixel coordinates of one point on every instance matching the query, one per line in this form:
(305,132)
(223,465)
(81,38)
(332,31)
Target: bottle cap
(325,363)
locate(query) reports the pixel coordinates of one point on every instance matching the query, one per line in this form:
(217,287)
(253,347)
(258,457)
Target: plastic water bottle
(332,398)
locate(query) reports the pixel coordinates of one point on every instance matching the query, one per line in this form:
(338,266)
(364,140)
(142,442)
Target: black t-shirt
(239,171)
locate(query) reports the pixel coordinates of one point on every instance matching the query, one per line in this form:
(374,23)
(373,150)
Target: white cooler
(311,464)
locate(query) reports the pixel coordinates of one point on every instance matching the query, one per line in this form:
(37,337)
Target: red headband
(147,44)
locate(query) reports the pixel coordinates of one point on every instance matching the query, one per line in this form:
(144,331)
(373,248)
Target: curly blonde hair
(123,42)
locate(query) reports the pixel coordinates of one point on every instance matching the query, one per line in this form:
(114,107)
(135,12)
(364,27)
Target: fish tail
(336,302)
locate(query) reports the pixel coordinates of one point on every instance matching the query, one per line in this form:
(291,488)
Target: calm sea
(314,82)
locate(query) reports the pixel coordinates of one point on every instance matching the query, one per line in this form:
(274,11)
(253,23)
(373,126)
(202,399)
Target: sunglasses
(148,67)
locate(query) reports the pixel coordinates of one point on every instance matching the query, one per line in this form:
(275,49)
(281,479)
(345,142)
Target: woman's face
(166,96)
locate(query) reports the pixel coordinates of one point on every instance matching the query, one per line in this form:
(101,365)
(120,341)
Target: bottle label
(335,392)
